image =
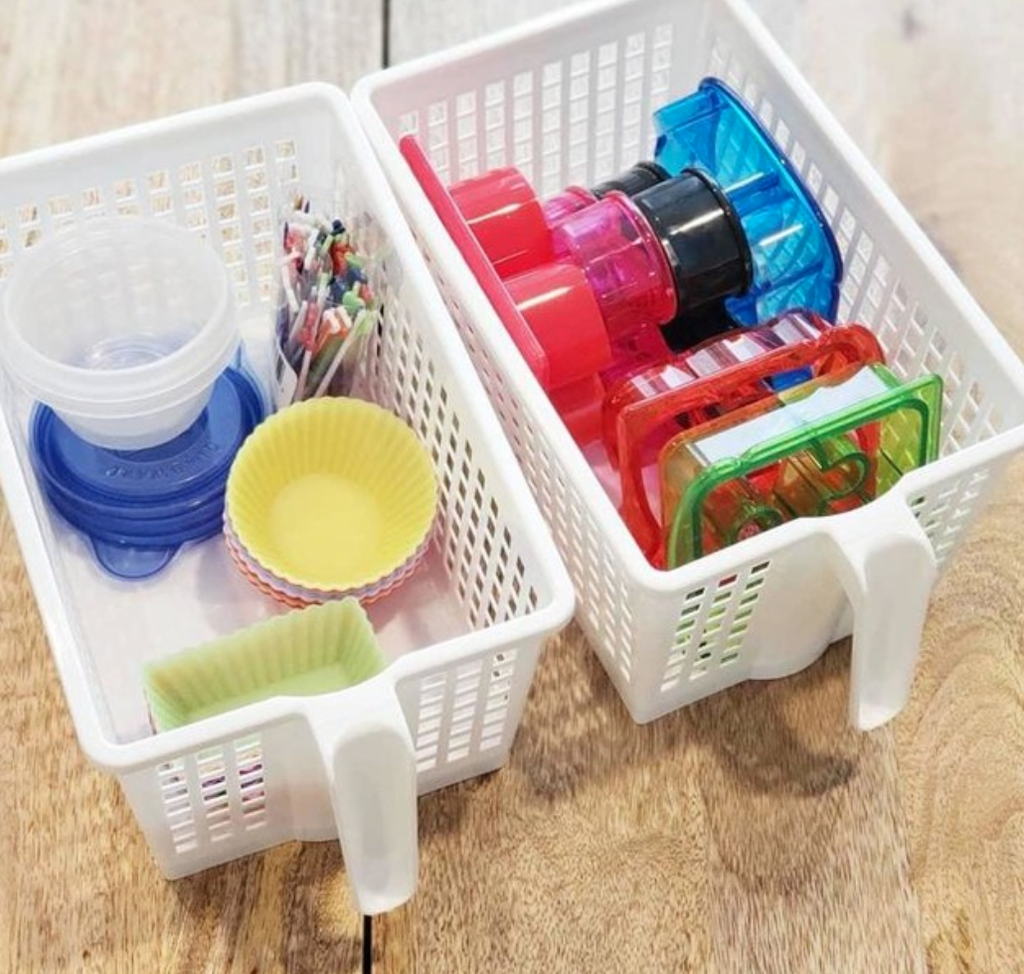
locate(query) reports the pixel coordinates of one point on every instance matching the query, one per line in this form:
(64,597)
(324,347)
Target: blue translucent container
(139,507)
(795,260)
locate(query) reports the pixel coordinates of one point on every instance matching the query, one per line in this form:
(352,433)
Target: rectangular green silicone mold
(309,651)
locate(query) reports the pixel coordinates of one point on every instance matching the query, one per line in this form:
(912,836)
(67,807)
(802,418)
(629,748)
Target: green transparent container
(823,447)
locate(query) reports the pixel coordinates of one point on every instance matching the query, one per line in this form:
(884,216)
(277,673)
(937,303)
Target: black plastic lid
(696,326)
(634,180)
(702,237)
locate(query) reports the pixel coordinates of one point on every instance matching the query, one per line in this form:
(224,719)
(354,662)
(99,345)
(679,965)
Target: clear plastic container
(122,328)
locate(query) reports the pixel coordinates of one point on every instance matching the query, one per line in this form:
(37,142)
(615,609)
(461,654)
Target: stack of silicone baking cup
(330,498)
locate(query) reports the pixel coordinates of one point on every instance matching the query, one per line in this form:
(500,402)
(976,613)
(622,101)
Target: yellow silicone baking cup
(331,494)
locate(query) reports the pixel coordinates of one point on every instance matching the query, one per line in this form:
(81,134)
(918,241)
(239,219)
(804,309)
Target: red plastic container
(579,405)
(562,314)
(478,262)
(506,218)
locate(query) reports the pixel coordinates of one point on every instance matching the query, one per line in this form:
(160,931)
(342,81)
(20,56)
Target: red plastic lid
(505,216)
(579,405)
(561,312)
(492,286)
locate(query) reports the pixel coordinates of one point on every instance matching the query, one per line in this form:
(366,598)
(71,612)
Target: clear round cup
(121,326)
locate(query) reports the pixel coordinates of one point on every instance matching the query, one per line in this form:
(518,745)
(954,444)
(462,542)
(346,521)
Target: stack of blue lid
(139,507)
(797,262)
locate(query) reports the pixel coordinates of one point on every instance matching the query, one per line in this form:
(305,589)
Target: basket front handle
(368,756)
(887,567)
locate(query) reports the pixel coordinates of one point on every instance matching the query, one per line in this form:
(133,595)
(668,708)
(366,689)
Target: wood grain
(73,68)
(751,833)
(422,26)
(940,111)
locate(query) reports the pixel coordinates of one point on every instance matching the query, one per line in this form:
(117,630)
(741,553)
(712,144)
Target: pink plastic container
(624,261)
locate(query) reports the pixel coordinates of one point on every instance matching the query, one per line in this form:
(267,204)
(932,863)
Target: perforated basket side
(569,101)
(608,598)
(224,173)
(463,716)
(228,799)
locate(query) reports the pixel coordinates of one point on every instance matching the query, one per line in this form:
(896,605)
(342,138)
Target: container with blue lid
(796,261)
(139,507)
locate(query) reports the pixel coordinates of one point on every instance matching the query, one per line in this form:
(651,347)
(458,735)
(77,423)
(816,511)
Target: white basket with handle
(463,634)
(569,101)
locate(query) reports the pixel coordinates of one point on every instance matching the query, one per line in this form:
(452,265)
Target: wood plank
(285,42)
(960,746)
(753,832)
(588,852)
(421,26)
(933,93)
(70,69)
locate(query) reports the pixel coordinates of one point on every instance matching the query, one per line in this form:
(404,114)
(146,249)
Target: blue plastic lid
(796,261)
(144,530)
(173,471)
(139,507)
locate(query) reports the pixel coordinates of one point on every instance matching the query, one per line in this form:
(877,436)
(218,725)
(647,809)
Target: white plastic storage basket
(463,634)
(569,101)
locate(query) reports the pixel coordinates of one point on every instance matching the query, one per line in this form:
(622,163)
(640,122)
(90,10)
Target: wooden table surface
(752,832)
